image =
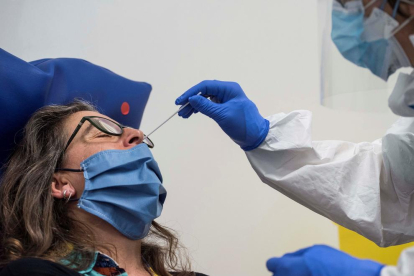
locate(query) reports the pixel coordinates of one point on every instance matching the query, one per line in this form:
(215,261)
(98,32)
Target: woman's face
(405,11)
(88,141)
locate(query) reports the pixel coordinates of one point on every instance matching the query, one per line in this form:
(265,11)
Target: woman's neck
(126,252)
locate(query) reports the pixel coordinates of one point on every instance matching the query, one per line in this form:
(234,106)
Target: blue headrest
(28,86)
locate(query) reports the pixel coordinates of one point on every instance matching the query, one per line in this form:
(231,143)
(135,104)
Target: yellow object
(153,273)
(360,247)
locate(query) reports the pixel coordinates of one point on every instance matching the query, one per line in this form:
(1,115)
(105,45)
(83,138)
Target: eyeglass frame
(89,119)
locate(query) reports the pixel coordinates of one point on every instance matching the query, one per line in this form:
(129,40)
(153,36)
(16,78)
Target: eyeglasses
(106,126)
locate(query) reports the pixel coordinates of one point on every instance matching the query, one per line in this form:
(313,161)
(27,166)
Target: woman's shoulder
(40,267)
(174,273)
(36,267)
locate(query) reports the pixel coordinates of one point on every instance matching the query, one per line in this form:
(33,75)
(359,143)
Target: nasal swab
(181,108)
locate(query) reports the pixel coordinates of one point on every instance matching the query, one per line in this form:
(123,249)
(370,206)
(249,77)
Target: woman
(78,196)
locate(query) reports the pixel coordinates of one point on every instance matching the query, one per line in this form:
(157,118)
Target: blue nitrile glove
(322,260)
(237,116)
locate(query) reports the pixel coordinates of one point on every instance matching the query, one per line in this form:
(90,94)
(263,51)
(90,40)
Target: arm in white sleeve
(365,187)
(405,265)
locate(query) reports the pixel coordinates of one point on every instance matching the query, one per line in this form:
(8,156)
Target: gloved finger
(185,110)
(272,264)
(189,113)
(288,266)
(207,87)
(214,99)
(183,99)
(298,253)
(204,105)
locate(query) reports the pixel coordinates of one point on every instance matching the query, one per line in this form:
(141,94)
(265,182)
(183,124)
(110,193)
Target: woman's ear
(61,186)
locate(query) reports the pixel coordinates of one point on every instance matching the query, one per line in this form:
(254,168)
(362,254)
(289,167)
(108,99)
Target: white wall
(230,221)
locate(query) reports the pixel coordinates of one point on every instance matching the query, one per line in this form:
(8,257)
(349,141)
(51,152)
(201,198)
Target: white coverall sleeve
(405,265)
(365,187)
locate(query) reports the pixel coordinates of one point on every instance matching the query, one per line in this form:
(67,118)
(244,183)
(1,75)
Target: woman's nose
(132,137)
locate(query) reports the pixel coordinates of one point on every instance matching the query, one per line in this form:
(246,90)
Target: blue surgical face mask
(124,188)
(368,43)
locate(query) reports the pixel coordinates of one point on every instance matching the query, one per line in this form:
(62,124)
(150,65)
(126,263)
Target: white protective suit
(365,187)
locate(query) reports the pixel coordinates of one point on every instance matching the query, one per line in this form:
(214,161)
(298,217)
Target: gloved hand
(237,116)
(322,260)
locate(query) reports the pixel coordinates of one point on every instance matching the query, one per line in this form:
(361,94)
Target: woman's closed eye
(103,135)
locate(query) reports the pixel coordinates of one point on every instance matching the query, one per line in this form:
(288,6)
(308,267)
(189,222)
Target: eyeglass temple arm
(69,170)
(74,133)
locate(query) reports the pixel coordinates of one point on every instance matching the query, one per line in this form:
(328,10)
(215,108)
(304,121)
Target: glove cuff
(262,137)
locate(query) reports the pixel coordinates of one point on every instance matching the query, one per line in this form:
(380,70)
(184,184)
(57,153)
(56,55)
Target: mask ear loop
(402,26)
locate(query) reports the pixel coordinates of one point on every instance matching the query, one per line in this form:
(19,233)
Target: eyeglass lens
(108,125)
(148,142)
(113,128)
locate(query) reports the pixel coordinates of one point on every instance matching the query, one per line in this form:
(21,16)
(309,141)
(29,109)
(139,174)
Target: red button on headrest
(125,108)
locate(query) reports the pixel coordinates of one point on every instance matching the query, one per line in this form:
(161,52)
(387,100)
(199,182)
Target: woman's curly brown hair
(35,224)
